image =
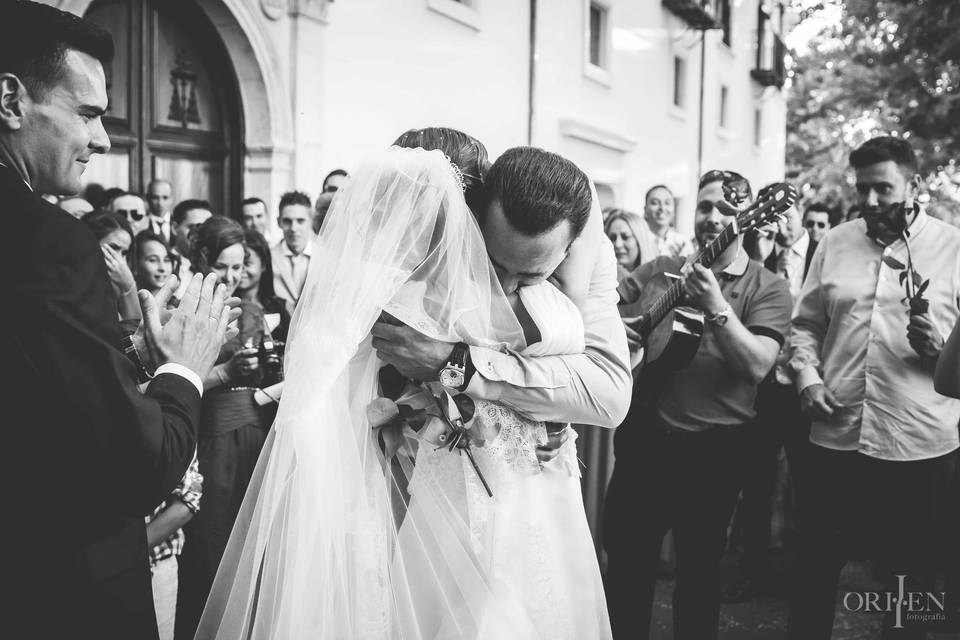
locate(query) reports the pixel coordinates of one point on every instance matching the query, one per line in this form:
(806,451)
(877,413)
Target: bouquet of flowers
(407,404)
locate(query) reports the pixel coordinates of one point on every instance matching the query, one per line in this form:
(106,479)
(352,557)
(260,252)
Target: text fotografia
(908,606)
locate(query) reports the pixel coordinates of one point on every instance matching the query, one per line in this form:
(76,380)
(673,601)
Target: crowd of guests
(147,238)
(819,343)
(783,447)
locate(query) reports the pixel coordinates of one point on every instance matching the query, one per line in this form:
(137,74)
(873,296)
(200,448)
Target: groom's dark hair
(538,190)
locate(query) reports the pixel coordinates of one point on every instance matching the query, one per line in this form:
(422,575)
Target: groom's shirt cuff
(183,372)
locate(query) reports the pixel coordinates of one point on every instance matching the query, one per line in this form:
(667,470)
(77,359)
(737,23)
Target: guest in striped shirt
(166,539)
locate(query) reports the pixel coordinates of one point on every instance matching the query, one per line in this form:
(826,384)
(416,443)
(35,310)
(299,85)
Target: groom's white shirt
(593,387)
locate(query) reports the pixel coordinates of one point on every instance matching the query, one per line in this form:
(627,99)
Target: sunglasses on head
(819,224)
(133,214)
(736,188)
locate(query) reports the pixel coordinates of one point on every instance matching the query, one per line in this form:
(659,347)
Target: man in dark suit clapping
(87,455)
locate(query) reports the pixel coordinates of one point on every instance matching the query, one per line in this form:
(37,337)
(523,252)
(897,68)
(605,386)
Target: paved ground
(764,617)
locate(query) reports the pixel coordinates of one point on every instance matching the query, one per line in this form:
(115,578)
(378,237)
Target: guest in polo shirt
(678,464)
(881,294)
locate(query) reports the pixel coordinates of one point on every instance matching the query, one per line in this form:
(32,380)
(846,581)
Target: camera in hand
(271,364)
(269,357)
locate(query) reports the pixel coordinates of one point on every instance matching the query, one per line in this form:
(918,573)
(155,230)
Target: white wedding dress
(335,541)
(530,540)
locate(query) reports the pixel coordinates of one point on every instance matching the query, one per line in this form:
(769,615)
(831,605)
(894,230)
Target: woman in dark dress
(233,426)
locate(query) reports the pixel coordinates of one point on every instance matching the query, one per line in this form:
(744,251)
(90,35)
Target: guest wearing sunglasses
(134,209)
(816,220)
(679,462)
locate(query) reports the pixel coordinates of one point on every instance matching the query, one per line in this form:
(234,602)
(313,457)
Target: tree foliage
(886,66)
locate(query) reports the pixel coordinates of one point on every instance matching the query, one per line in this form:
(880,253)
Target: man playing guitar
(681,451)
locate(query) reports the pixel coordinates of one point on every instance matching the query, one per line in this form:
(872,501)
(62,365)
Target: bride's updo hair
(463,150)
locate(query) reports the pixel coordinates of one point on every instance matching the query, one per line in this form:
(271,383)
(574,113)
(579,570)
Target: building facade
(230,98)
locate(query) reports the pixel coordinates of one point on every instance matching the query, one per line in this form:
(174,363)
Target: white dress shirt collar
(288,253)
(3,164)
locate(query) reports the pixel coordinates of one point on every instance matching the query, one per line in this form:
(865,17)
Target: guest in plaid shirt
(165,538)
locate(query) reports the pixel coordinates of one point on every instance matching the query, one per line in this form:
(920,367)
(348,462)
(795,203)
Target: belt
(229,409)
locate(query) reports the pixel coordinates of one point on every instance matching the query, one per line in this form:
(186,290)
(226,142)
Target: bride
(337,539)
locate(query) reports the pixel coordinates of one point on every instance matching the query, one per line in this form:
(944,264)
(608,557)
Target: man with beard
(680,456)
(881,293)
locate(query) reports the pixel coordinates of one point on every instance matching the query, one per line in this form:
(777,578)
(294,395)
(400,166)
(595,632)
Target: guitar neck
(674,294)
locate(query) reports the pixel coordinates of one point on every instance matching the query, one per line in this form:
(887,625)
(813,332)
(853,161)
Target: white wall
(622,127)
(391,66)
(343,80)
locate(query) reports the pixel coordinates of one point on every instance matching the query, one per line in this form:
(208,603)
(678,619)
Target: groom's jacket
(86,454)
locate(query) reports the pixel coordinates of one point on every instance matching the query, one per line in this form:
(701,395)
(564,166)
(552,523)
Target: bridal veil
(314,551)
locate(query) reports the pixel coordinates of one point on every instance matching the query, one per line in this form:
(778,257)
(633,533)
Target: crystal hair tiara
(457,174)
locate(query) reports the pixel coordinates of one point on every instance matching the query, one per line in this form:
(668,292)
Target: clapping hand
(194,332)
(118,270)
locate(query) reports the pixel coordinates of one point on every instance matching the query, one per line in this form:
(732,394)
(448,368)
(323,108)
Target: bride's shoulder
(546,294)
(557,318)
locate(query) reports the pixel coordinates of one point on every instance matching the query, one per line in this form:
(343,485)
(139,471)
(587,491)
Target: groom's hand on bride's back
(413,354)
(557,436)
(195,330)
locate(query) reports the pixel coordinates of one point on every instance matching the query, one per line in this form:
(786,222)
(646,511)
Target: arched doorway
(174,103)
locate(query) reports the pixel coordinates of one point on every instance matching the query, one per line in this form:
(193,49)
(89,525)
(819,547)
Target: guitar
(671,333)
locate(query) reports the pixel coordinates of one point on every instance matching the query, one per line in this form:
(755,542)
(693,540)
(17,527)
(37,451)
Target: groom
(535,205)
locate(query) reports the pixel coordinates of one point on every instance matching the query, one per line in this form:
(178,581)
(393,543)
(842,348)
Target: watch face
(451,378)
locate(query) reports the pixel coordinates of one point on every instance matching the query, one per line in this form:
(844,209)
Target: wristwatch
(720,318)
(456,373)
(130,350)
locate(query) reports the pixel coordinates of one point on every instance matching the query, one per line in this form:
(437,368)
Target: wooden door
(174,103)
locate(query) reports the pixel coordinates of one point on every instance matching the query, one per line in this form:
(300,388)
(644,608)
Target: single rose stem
(477,469)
